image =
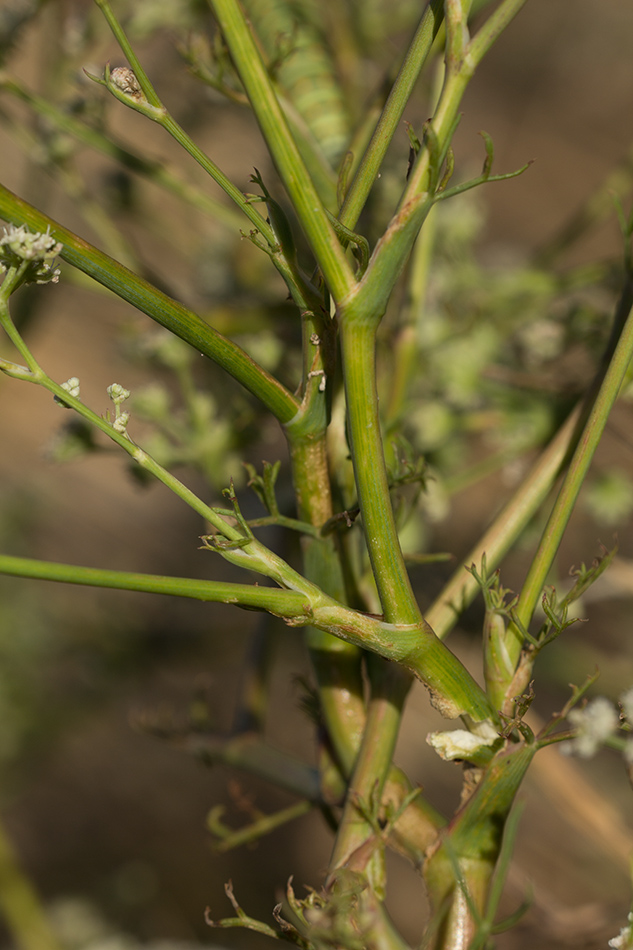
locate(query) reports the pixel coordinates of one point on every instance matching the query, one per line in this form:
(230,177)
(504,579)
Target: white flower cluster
(118,394)
(624,940)
(71,386)
(595,723)
(19,244)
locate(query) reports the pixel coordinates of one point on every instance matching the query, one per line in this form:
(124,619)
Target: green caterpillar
(306,73)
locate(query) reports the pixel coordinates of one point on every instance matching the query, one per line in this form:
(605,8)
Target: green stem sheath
(390,686)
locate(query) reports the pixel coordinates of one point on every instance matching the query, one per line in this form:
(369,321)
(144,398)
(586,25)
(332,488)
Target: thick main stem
(358,343)
(453,689)
(337,664)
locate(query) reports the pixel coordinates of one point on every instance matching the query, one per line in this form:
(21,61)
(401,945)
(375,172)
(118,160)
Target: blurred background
(108,819)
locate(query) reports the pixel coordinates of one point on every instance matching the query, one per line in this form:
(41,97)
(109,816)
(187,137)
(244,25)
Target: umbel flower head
(18,245)
(624,941)
(594,724)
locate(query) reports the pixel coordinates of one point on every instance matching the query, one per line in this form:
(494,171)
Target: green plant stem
(391,115)
(310,211)
(20,904)
(406,357)
(392,580)
(392,250)
(257,829)
(339,679)
(337,665)
(154,109)
(150,170)
(281,603)
(340,685)
(316,107)
(358,345)
(358,339)
(306,605)
(470,846)
(389,688)
(576,474)
(157,305)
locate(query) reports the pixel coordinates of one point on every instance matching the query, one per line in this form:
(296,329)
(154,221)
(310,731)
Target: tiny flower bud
(71,386)
(18,245)
(120,423)
(118,393)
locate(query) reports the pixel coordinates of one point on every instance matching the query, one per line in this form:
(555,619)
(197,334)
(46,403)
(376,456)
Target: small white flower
(120,423)
(624,940)
(30,245)
(594,724)
(19,244)
(118,393)
(71,386)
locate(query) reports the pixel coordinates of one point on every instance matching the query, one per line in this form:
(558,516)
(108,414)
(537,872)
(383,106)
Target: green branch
(391,115)
(506,528)
(157,305)
(392,251)
(281,603)
(309,209)
(570,489)
(308,606)
(135,162)
(138,93)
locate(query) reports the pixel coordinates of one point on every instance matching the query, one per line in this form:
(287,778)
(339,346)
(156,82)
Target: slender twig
(391,115)
(574,479)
